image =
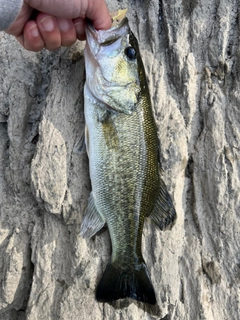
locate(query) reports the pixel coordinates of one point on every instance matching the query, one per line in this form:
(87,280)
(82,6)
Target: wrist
(9,11)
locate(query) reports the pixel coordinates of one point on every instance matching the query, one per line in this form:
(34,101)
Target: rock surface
(191,54)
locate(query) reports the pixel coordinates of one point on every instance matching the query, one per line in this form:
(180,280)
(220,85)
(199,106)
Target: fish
(123,150)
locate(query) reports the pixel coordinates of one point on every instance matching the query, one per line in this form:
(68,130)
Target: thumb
(98,12)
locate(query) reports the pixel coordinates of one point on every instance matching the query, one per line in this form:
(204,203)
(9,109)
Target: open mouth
(107,37)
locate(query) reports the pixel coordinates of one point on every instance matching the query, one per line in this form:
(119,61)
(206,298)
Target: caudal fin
(118,284)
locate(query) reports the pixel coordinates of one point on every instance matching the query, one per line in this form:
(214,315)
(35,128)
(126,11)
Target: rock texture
(191,53)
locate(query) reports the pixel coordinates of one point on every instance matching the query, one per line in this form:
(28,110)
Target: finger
(99,14)
(49,30)
(67,31)
(16,28)
(79,25)
(32,39)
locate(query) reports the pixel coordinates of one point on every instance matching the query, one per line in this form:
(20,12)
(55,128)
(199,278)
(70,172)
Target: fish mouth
(107,37)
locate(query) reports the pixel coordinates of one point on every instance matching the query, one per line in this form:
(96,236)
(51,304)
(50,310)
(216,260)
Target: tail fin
(117,284)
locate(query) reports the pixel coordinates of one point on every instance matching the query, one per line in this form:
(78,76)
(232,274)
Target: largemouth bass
(122,146)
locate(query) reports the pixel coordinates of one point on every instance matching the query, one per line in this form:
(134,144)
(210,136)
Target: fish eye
(131,53)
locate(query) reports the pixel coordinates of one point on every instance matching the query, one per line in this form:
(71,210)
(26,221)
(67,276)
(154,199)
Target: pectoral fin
(163,213)
(80,146)
(92,220)
(87,139)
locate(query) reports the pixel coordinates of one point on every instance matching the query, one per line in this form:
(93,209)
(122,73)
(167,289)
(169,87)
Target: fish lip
(109,35)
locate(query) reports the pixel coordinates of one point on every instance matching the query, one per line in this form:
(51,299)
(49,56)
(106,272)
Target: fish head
(112,74)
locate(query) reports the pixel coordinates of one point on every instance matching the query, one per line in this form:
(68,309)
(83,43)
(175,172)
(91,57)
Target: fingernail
(47,23)
(80,27)
(63,24)
(34,31)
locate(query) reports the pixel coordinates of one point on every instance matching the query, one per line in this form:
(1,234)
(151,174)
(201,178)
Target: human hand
(57,22)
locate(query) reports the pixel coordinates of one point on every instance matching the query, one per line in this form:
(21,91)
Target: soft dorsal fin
(163,213)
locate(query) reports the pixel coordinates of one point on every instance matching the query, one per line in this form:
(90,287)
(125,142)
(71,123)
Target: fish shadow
(153,310)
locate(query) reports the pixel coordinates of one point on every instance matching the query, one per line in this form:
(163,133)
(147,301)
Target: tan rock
(47,271)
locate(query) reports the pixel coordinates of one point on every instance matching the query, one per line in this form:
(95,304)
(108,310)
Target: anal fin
(92,220)
(163,213)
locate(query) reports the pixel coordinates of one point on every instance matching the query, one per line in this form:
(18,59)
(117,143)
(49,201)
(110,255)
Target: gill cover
(111,68)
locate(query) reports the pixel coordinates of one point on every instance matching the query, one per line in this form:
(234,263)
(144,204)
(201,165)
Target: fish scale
(122,146)
(127,177)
